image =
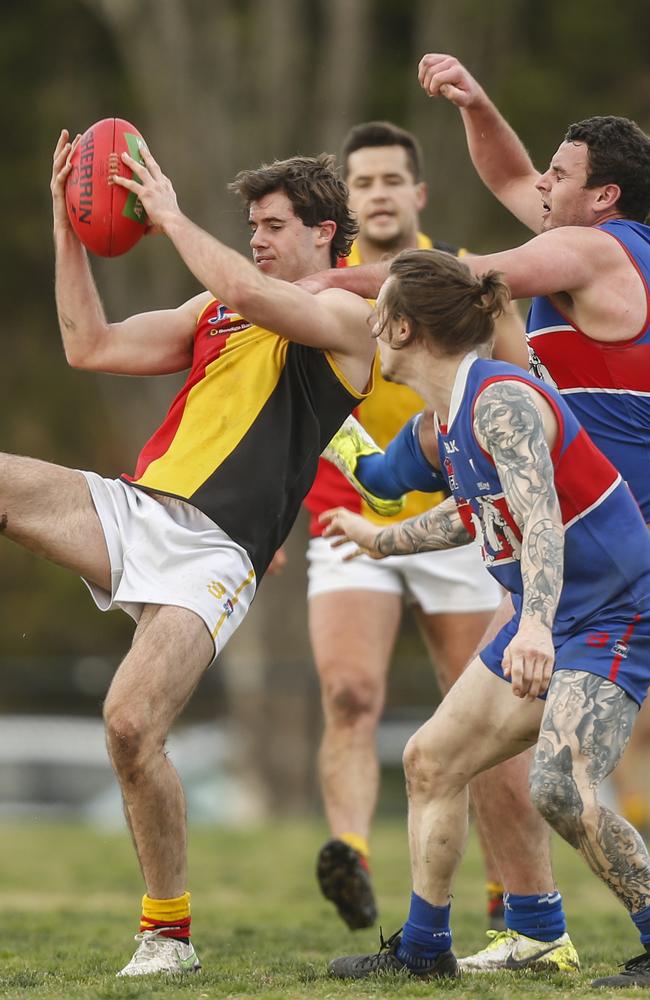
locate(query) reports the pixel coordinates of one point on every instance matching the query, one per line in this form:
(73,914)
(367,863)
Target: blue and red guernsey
(606,384)
(606,543)
(242,438)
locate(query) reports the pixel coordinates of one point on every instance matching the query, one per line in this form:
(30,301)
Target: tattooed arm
(439,528)
(514,424)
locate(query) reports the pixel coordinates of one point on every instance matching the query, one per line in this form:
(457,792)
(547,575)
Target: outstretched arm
(362,279)
(498,154)
(513,422)
(439,528)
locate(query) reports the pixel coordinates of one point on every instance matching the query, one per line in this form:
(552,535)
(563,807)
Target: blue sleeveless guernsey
(607,385)
(602,623)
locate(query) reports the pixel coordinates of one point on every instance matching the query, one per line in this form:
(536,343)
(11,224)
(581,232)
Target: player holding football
(561,531)
(182,543)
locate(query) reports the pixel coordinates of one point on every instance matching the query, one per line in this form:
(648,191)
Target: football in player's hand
(107,218)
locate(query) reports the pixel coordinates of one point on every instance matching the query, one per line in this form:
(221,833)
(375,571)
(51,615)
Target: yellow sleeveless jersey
(242,438)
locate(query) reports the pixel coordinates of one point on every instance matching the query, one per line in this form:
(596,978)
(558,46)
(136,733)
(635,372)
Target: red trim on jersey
(616,662)
(582,476)
(608,343)
(576,365)
(330,488)
(160,442)
(464,509)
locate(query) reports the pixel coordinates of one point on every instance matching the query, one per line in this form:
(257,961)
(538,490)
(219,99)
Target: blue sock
(642,921)
(540,917)
(401,468)
(425,934)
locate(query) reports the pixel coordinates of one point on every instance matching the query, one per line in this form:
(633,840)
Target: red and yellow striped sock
(172,915)
(358,844)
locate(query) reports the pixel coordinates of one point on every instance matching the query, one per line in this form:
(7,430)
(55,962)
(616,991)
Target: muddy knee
(130,743)
(427,771)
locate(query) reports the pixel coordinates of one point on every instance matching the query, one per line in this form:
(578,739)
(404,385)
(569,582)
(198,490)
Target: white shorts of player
(165,551)
(452,580)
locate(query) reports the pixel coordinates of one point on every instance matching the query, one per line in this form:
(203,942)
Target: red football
(107,218)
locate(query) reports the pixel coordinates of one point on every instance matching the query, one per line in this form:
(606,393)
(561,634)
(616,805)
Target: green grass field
(70,903)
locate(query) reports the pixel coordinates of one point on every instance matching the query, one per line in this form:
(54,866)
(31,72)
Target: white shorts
(451,580)
(165,551)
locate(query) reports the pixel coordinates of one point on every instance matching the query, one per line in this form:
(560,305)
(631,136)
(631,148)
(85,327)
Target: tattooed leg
(586,727)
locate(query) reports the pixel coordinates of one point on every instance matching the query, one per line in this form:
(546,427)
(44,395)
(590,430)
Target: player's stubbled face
(565,199)
(384,195)
(283,246)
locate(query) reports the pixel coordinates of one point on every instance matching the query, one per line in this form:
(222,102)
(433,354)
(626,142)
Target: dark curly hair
(619,153)
(314,189)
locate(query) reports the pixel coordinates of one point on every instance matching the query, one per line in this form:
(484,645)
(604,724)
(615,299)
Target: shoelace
(148,939)
(497,937)
(385,944)
(638,963)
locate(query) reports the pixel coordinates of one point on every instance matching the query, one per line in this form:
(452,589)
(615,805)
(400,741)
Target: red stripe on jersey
(161,440)
(330,489)
(578,362)
(582,476)
(616,662)
(464,509)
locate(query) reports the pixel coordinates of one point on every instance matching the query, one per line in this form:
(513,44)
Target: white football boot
(511,950)
(161,954)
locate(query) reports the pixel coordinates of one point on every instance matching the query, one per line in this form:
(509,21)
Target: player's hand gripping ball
(107,218)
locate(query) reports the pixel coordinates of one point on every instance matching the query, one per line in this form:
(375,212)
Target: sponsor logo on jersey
(226,321)
(621,649)
(228,608)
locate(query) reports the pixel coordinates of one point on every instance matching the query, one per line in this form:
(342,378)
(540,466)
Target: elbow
(73,358)
(80,359)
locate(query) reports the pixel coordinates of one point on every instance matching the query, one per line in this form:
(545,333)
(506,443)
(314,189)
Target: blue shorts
(613,646)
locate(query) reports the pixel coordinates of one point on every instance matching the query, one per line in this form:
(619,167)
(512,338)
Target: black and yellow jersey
(242,438)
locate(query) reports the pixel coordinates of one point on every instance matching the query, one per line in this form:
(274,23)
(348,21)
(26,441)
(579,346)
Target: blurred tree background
(216,86)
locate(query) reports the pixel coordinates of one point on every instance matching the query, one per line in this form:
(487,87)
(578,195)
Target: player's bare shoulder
(354,316)
(355,348)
